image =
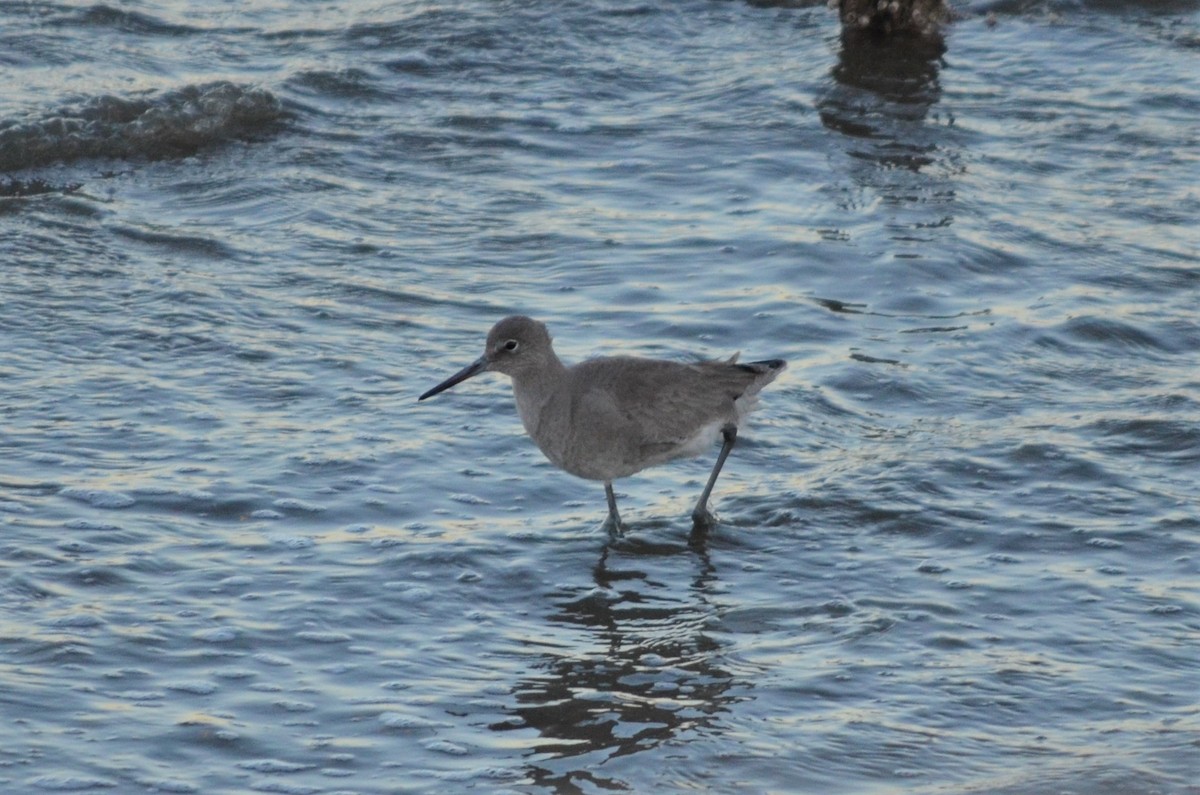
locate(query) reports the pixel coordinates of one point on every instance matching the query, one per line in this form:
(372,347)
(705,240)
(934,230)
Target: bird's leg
(613,522)
(700,516)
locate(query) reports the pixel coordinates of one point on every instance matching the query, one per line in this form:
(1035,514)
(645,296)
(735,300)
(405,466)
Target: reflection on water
(650,673)
(882,92)
(902,153)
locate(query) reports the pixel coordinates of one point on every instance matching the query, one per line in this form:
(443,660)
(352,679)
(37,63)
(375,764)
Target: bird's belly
(613,456)
(701,441)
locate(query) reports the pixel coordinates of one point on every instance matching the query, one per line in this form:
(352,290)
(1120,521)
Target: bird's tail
(771,367)
(764,372)
(775,365)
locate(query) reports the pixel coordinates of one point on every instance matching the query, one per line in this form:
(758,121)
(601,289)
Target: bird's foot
(702,519)
(614,526)
(702,523)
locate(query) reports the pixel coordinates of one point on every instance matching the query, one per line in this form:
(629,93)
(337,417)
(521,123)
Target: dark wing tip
(766,365)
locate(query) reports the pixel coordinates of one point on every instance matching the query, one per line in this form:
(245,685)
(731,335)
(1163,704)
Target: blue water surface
(959,544)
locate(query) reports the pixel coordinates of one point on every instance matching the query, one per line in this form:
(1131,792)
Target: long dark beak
(474,368)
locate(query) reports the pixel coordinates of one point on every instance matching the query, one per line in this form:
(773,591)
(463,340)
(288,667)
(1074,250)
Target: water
(958,548)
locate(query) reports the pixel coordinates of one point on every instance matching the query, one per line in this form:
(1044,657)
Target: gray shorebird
(610,417)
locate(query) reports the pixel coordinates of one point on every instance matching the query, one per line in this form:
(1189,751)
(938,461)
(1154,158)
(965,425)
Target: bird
(609,417)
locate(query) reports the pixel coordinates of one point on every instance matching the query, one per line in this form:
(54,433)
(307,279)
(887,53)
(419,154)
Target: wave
(149,125)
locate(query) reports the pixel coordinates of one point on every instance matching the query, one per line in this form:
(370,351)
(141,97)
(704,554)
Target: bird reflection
(641,670)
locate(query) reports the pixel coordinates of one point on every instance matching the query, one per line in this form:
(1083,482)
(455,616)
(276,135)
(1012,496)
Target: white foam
(98,498)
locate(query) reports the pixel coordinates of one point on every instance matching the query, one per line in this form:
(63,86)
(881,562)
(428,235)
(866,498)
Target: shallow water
(958,548)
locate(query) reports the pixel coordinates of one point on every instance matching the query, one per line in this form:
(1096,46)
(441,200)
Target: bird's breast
(544,421)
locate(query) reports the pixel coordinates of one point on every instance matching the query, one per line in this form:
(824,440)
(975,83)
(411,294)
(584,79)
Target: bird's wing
(661,404)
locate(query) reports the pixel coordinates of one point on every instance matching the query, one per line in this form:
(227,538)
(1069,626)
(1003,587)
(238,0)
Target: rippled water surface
(958,545)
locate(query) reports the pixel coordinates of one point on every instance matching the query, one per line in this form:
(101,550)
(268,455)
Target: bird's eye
(511,345)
